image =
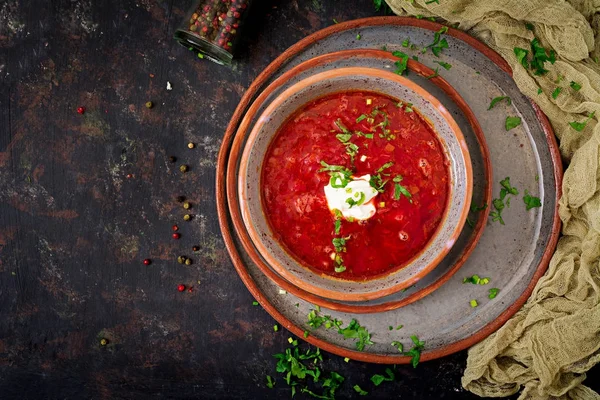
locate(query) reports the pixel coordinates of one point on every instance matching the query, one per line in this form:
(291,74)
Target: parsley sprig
(353,331)
(439,43)
(539,57)
(503,201)
(402,63)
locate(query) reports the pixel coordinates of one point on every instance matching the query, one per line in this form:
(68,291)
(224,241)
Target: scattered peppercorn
(149,104)
(81,110)
(181,287)
(187,205)
(181,259)
(187,217)
(191,145)
(180,199)
(172,159)
(175,228)
(176,236)
(147,261)
(196,248)
(103,342)
(184,168)
(191,289)
(129,176)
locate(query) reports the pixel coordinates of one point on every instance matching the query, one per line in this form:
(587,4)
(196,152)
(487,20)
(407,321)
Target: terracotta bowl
(322,84)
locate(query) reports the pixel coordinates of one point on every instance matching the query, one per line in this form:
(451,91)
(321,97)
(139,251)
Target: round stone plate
(513,255)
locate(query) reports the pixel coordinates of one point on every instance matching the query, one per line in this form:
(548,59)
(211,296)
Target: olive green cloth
(548,345)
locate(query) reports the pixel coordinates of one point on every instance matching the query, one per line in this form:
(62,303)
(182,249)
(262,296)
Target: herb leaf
(444,64)
(402,63)
(556,92)
(576,86)
(493,293)
(439,43)
(531,201)
(270,382)
(512,122)
(498,99)
(435,74)
(540,56)
(360,391)
(355,330)
(505,183)
(579,126)
(521,56)
(415,351)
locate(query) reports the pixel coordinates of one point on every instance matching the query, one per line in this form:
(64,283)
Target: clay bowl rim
(230,183)
(439,255)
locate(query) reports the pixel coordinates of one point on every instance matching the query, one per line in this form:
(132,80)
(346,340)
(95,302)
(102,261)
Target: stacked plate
(426,293)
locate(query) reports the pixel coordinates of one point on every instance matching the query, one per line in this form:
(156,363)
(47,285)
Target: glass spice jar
(212,28)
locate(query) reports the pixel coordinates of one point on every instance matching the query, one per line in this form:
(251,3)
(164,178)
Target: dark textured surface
(85,198)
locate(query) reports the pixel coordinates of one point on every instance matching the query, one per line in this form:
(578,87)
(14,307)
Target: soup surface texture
(355,184)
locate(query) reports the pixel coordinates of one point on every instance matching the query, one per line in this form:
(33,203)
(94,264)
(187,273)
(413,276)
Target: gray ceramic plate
(513,255)
(463,116)
(334,81)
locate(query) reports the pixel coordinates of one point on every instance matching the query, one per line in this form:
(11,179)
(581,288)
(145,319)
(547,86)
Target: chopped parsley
(405,43)
(339,244)
(579,126)
(334,168)
(445,65)
(512,122)
(575,86)
(358,36)
(400,190)
(356,201)
(556,92)
(540,56)
(531,201)
(343,137)
(337,226)
(473,303)
(432,1)
(529,26)
(255,303)
(399,327)
(416,58)
(361,117)
(493,293)
(358,390)
(398,346)
(540,91)
(472,279)
(435,74)
(439,43)
(379,379)
(499,203)
(297,366)
(270,382)
(402,63)
(498,99)
(522,56)
(355,331)
(415,351)
(338,181)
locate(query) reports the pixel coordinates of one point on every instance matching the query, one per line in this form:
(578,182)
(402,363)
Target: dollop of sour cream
(354,200)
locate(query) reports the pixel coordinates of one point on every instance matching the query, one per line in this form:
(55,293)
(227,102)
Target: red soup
(355,184)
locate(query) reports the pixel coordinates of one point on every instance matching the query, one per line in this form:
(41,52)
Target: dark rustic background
(85,198)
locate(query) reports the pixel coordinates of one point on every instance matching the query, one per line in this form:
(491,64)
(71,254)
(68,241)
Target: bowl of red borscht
(354,183)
